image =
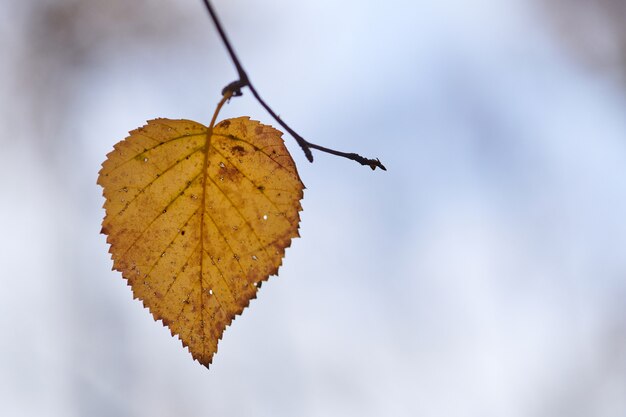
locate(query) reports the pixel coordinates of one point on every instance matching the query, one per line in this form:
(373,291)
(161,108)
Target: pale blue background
(482,275)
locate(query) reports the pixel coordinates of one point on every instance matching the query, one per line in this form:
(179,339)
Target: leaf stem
(226,96)
(234,88)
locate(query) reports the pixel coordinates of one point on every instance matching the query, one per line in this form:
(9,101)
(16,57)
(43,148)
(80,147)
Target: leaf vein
(256,148)
(170,245)
(157,217)
(246,177)
(161,176)
(150,149)
(244,219)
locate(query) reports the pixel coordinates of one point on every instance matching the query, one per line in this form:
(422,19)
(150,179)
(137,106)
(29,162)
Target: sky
(483,274)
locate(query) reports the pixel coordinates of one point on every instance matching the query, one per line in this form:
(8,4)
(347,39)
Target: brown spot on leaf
(228,172)
(238,150)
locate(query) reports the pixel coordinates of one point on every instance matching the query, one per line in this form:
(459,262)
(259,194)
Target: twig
(243,81)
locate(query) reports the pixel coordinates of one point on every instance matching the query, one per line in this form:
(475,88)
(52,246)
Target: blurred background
(484,274)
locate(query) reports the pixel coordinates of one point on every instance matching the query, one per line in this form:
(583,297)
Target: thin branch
(243,81)
(243,77)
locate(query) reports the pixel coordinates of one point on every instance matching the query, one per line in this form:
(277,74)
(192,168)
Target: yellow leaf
(198,218)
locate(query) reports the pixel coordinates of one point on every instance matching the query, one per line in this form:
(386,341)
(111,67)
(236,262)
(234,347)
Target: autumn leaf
(197,218)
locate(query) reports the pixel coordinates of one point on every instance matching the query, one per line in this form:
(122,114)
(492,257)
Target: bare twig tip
(378,164)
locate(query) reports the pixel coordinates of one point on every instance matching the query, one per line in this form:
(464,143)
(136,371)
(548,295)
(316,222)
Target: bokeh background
(484,274)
